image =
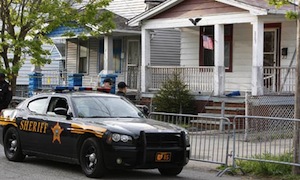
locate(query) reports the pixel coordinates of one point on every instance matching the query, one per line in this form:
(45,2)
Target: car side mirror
(144,109)
(60,111)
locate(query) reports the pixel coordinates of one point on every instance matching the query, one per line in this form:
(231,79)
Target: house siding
(26,68)
(71,56)
(288,40)
(127,8)
(92,77)
(241,75)
(196,8)
(189,47)
(165,47)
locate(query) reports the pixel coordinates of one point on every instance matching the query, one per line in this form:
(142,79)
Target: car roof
(77,93)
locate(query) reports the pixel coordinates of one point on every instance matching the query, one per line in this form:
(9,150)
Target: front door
(271,59)
(134,57)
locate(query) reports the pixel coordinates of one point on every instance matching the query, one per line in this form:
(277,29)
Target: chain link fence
(270,105)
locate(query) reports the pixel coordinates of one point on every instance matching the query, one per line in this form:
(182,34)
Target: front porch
(200,80)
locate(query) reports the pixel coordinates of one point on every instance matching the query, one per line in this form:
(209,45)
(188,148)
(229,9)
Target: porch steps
(232,106)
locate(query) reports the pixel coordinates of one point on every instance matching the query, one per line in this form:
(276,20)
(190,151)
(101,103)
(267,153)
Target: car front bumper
(148,155)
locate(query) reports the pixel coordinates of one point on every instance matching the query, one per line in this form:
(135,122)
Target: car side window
(38,106)
(57,102)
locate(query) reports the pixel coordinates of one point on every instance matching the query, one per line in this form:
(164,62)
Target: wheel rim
(90,158)
(12,144)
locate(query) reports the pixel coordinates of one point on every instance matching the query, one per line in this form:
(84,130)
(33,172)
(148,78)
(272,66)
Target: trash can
(75,79)
(113,77)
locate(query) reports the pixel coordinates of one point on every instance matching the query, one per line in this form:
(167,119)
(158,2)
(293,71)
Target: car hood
(133,126)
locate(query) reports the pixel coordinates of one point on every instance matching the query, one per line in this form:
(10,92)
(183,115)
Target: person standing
(107,83)
(5,92)
(122,89)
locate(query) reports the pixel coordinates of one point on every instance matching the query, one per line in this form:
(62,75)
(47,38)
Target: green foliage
(174,97)
(279,3)
(25,24)
(268,169)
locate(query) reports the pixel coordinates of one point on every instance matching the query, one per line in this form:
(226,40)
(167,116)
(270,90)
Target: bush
(174,97)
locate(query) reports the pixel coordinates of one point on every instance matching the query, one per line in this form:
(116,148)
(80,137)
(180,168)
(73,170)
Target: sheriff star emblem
(57,130)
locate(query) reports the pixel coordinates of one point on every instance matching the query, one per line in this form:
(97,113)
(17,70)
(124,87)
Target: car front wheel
(170,171)
(91,158)
(12,145)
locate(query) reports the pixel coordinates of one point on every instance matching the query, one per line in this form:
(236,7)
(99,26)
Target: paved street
(36,169)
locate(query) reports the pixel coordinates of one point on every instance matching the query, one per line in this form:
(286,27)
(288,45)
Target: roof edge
(252,9)
(135,21)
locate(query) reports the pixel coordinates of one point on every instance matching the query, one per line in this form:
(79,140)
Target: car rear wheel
(12,145)
(170,171)
(91,158)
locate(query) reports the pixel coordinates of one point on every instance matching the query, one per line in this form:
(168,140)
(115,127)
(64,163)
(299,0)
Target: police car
(99,131)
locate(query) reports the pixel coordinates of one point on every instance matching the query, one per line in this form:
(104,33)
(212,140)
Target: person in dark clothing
(5,92)
(107,83)
(122,89)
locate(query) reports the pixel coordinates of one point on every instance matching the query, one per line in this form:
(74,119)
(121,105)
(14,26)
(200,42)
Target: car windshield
(104,107)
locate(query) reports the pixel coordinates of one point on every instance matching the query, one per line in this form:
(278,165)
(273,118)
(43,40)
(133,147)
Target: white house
(226,45)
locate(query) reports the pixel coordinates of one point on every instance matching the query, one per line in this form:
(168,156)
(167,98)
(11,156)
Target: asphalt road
(37,169)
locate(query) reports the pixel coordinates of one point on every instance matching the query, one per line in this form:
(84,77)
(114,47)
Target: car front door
(59,140)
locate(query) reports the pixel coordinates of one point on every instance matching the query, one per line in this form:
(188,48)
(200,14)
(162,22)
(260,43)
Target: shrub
(174,97)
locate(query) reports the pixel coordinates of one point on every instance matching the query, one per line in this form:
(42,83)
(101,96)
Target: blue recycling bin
(35,83)
(113,77)
(75,79)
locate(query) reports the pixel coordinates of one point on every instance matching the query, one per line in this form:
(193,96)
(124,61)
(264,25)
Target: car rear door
(32,125)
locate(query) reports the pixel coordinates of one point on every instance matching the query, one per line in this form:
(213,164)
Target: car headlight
(119,138)
(187,138)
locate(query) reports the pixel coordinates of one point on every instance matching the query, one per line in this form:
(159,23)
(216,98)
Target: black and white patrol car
(96,130)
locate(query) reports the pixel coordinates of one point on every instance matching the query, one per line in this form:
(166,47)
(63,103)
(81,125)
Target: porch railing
(279,79)
(197,79)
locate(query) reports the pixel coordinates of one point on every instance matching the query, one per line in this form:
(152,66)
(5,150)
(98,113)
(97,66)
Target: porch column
(145,75)
(108,54)
(219,70)
(258,57)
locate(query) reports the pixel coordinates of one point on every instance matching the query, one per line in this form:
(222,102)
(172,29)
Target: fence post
(221,127)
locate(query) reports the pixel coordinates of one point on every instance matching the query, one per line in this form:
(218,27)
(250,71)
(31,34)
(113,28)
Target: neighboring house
(51,72)
(118,53)
(226,45)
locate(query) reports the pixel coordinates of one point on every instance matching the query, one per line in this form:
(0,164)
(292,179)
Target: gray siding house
(119,53)
(51,71)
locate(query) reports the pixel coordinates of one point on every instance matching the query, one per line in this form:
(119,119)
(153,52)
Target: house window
(207,46)
(83,57)
(117,50)
(101,55)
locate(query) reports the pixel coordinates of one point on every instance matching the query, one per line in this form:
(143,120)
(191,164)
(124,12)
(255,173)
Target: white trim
(126,31)
(252,9)
(153,11)
(219,72)
(205,21)
(146,49)
(258,57)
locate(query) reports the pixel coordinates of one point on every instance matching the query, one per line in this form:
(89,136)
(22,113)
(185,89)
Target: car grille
(163,140)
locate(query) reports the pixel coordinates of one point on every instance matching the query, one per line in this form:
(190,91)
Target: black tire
(91,158)
(174,171)
(12,145)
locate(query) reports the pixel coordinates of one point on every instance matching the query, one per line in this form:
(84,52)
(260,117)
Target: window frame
(227,38)
(87,43)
